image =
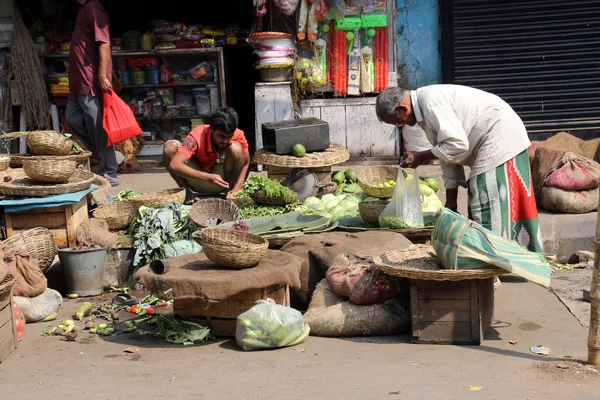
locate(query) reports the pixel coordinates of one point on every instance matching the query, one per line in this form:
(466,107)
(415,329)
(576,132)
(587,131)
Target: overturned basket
(211,212)
(118,214)
(37,242)
(370,210)
(231,248)
(49,143)
(369,178)
(160,198)
(260,197)
(49,171)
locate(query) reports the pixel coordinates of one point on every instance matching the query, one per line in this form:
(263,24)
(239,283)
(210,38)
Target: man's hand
(233,193)
(217,180)
(452,206)
(412,160)
(104,84)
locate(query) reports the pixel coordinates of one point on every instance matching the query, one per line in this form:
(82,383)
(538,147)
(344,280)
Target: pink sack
(573,173)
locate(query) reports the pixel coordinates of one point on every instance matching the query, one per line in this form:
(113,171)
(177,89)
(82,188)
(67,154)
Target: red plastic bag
(118,120)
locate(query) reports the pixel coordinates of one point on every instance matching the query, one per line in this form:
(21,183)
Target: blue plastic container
(125,77)
(152,75)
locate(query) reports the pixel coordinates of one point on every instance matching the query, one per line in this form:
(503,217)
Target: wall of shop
(418,35)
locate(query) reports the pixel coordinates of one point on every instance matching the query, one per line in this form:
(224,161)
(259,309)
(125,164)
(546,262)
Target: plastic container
(173,111)
(214,98)
(83,270)
(184,98)
(157,111)
(275,74)
(153,75)
(167,96)
(188,111)
(138,77)
(126,77)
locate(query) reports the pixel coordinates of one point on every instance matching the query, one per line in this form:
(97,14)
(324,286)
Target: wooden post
(594,334)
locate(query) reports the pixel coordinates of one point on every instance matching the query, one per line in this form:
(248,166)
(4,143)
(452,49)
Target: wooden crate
(221,316)
(281,173)
(62,221)
(8,332)
(451,312)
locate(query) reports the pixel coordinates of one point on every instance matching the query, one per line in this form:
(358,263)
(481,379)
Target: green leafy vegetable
(256,210)
(126,195)
(332,206)
(158,231)
(272,188)
(175,331)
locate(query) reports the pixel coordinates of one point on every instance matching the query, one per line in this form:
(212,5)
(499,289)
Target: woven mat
(194,276)
(420,262)
(335,154)
(21,185)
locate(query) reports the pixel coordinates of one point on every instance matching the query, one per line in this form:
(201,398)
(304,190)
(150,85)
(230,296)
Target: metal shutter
(542,57)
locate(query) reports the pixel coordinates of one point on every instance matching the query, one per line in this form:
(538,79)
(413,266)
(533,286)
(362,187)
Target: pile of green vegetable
(272,188)
(259,210)
(346,181)
(332,206)
(162,233)
(173,330)
(125,195)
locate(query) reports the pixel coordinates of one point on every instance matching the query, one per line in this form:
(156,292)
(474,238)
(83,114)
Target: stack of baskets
(53,159)
(232,248)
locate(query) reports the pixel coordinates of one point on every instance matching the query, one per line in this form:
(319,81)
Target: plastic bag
(404,210)
(118,120)
(269,325)
(37,308)
(309,73)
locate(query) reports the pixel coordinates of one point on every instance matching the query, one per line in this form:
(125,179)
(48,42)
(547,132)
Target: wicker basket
(37,242)
(82,159)
(231,248)
(118,214)
(369,178)
(49,143)
(370,210)
(160,198)
(259,197)
(240,201)
(4,162)
(211,212)
(50,171)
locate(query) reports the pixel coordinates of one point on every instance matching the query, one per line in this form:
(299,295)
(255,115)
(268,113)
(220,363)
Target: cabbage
(338,212)
(313,203)
(432,204)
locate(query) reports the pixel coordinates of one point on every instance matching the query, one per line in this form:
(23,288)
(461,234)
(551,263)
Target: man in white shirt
(470,127)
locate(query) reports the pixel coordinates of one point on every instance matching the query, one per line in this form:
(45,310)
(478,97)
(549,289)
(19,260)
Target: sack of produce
(330,315)
(573,173)
(579,202)
(358,279)
(269,325)
(405,209)
(31,281)
(37,308)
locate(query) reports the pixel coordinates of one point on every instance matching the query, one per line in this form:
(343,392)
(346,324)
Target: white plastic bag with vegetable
(269,325)
(404,210)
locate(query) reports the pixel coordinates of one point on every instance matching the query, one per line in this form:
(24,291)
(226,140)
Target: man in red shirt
(212,160)
(90,73)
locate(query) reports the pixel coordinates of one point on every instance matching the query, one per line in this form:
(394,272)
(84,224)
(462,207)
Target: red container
(181,44)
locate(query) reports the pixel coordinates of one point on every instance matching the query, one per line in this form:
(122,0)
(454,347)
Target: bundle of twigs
(26,66)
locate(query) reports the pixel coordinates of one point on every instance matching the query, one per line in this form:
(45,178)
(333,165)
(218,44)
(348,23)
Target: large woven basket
(231,248)
(82,159)
(419,262)
(118,214)
(21,185)
(369,178)
(37,242)
(260,197)
(370,210)
(50,171)
(49,143)
(160,198)
(335,154)
(211,212)
(7,283)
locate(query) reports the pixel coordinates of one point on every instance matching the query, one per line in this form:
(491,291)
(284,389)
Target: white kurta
(468,126)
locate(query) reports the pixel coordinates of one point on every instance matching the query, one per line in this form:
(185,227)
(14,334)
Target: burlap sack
(319,251)
(94,232)
(330,316)
(100,195)
(549,152)
(573,173)
(193,276)
(580,202)
(31,281)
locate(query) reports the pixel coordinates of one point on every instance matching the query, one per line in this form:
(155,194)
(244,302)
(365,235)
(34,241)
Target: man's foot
(190,197)
(114,181)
